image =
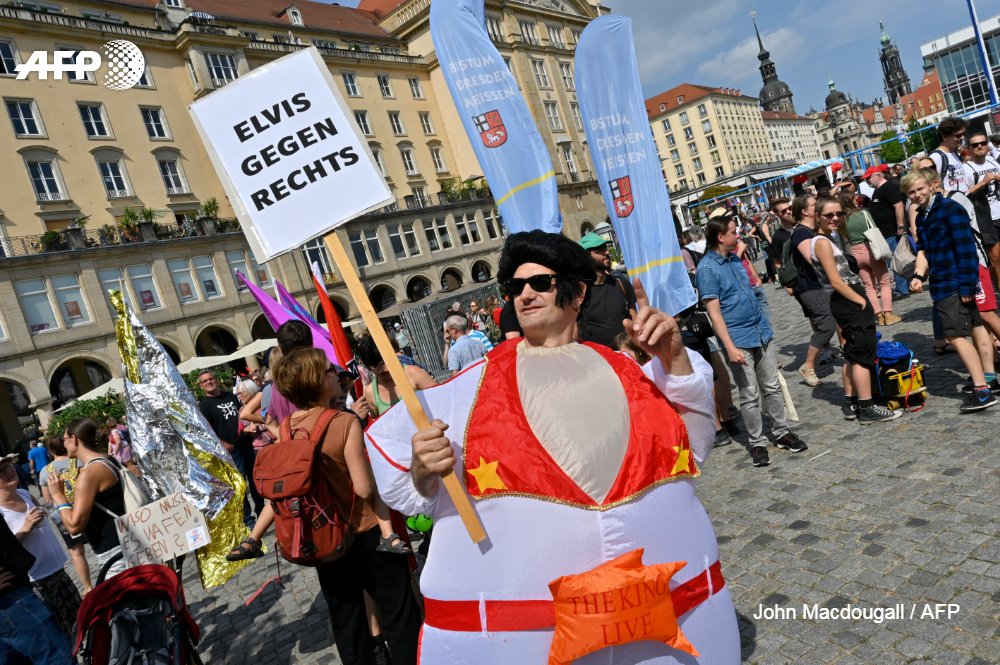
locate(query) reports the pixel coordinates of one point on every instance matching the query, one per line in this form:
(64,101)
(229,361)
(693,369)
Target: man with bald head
(464,350)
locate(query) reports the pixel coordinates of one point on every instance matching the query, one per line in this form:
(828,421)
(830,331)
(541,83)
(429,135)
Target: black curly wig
(554,251)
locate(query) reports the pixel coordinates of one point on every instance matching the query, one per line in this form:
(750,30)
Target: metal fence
(423,323)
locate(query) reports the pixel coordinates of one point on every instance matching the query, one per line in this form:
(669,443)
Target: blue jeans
(901,287)
(27,627)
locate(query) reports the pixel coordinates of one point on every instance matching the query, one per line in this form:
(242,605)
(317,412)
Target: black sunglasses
(539,284)
(979,144)
(833,215)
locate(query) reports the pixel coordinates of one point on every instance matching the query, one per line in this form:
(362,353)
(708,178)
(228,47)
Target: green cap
(592,241)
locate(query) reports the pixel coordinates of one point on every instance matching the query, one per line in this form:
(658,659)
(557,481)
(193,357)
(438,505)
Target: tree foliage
(715,191)
(925,141)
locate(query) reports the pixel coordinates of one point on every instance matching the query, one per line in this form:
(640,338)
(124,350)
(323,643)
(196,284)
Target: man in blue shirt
(744,331)
(38,457)
(464,350)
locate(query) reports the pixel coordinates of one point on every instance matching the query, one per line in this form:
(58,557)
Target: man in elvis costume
(573,456)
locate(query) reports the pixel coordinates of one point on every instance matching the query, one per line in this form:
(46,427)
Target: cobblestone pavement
(868,517)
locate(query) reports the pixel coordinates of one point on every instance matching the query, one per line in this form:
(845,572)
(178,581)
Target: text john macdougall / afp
(849,612)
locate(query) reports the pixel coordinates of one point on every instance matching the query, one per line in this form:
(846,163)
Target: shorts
(986,301)
(816,304)
(857,325)
(957,318)
(990,233)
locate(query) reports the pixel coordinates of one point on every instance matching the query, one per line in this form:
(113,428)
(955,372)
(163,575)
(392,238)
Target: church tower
(775,95)
(897,83)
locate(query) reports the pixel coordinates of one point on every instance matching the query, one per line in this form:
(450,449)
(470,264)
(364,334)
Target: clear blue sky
(711,42)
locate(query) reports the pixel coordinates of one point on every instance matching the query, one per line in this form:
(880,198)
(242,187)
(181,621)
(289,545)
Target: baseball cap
(591,240)
(397,326)
(720,213)
(872,170)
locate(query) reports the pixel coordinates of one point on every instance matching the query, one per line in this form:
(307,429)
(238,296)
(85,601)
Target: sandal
(944,348)
(393,544)
(247,549)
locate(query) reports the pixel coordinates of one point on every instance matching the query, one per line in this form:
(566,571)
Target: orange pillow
(618,602)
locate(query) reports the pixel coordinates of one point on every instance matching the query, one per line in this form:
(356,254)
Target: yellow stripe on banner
(653,264)
(525,185)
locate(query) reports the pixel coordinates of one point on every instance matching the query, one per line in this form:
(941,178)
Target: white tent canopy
(811,166)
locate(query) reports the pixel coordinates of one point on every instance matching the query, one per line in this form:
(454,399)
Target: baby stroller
(137,616)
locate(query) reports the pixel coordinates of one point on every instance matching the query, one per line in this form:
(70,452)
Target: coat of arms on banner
(621,192)
(491,129)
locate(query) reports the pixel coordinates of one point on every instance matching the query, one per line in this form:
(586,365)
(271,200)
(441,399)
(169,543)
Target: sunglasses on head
(539,283)
(979,144)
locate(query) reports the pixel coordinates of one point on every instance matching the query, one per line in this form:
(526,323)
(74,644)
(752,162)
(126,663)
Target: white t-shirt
(42,542)
(953,175)
(976,172)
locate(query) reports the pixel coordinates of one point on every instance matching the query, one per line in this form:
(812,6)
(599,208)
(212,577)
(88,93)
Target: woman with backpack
(307,379)
(98,497)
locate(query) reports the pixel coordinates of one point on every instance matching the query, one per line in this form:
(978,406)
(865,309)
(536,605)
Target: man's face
(536,309)
(209,384)
(920,192)
(954,140)
(979,145)
(452,333)
(601,257)
(876,180)
(730,238)
(784,213)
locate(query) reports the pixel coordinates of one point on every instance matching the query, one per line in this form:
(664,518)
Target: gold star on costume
(486,476)
(683,462)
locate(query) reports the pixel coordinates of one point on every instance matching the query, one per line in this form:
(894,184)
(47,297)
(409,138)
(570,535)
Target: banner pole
(403,387)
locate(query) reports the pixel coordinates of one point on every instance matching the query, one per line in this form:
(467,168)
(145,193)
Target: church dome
(835,97)
(774,90)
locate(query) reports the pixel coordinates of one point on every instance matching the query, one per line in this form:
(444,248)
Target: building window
(719,171)
(222,69)
(566,72)
(432,240)
(24,117)
(684,117)
(692,149)
(74,75)
(415,88)
(366,247)
(702,179)
(670,140)
(384,85)
(70,300)
(702,111)
(93,120)
(377,155)
(173,180)
(438,158)
(351,84)
(143,286)
(666,124)
(155,122)
(361,117)
(679,169)
(410,235)
(397,123)
(112,279)
(552,113)
(468,229)
(409,165)
(425,123)
(174,4)
(711,141)
(396,241)
(674,155)
(697,163)
(36,304)
(541,73)
(688,134)
(706,126)
(574,110)
(8,58)
(113,177)
(315,252)
(295,16)
(180,274)
(493,227)
(570,159)
(438,236)
(324,43)
(494,27)
(556,37)
(715,157)
(237,264)
(528,32)
(205,270)
(45,181)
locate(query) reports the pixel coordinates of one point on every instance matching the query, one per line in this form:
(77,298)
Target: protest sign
(627,164)
(161,531)
(289,153)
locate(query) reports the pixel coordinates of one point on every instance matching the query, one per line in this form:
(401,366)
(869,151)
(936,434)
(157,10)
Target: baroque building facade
(81,160)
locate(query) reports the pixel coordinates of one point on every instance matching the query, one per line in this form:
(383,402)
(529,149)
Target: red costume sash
(507,459)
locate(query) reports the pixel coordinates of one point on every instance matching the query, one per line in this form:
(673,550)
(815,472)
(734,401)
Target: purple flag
(289,302)
(276,315)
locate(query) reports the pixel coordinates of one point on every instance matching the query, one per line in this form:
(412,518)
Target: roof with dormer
(315,15)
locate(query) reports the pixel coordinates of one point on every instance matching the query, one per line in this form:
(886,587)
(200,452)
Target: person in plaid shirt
(947,250)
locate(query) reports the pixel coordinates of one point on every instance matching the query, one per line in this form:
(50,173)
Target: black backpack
(788,273)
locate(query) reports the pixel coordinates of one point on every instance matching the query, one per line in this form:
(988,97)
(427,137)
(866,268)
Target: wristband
(63,506)
(922,278)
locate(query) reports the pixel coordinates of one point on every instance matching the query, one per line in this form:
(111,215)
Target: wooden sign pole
(403,387)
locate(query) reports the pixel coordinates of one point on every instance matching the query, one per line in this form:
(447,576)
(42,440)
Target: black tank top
(100,529)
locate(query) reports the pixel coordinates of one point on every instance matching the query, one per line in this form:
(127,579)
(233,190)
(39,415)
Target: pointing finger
(641,299)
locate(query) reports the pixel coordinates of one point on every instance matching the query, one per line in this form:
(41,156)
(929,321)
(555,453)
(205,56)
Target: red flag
(334,325)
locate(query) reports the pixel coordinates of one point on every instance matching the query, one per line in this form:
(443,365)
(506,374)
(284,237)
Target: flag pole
(403,387)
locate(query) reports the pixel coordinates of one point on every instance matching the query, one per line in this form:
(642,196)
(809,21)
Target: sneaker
(900,296)
(732,429)
(759,456)
(850,410)
(791,443)
(809,376)
(877,413)
(994,386)
(382,656)
(977,401)
(721,439)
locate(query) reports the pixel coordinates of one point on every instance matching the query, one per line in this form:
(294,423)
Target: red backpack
(309,527)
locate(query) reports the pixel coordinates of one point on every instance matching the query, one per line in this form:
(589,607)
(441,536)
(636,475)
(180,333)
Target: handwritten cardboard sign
(161,531)
(289,153)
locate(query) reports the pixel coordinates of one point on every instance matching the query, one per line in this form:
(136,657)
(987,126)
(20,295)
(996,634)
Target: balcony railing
(336,52)
(82,24)
(177,191)
(218,83)
(118,194)
(51,196)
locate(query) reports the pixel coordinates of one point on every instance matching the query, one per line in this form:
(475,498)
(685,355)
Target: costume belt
(475,616)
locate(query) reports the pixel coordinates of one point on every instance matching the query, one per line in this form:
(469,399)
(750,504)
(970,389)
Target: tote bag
(880,248)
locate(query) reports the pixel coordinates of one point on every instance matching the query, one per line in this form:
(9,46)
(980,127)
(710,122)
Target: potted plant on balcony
(52,241)
(129,224)
(74,233)
(209,214)
(147,225)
